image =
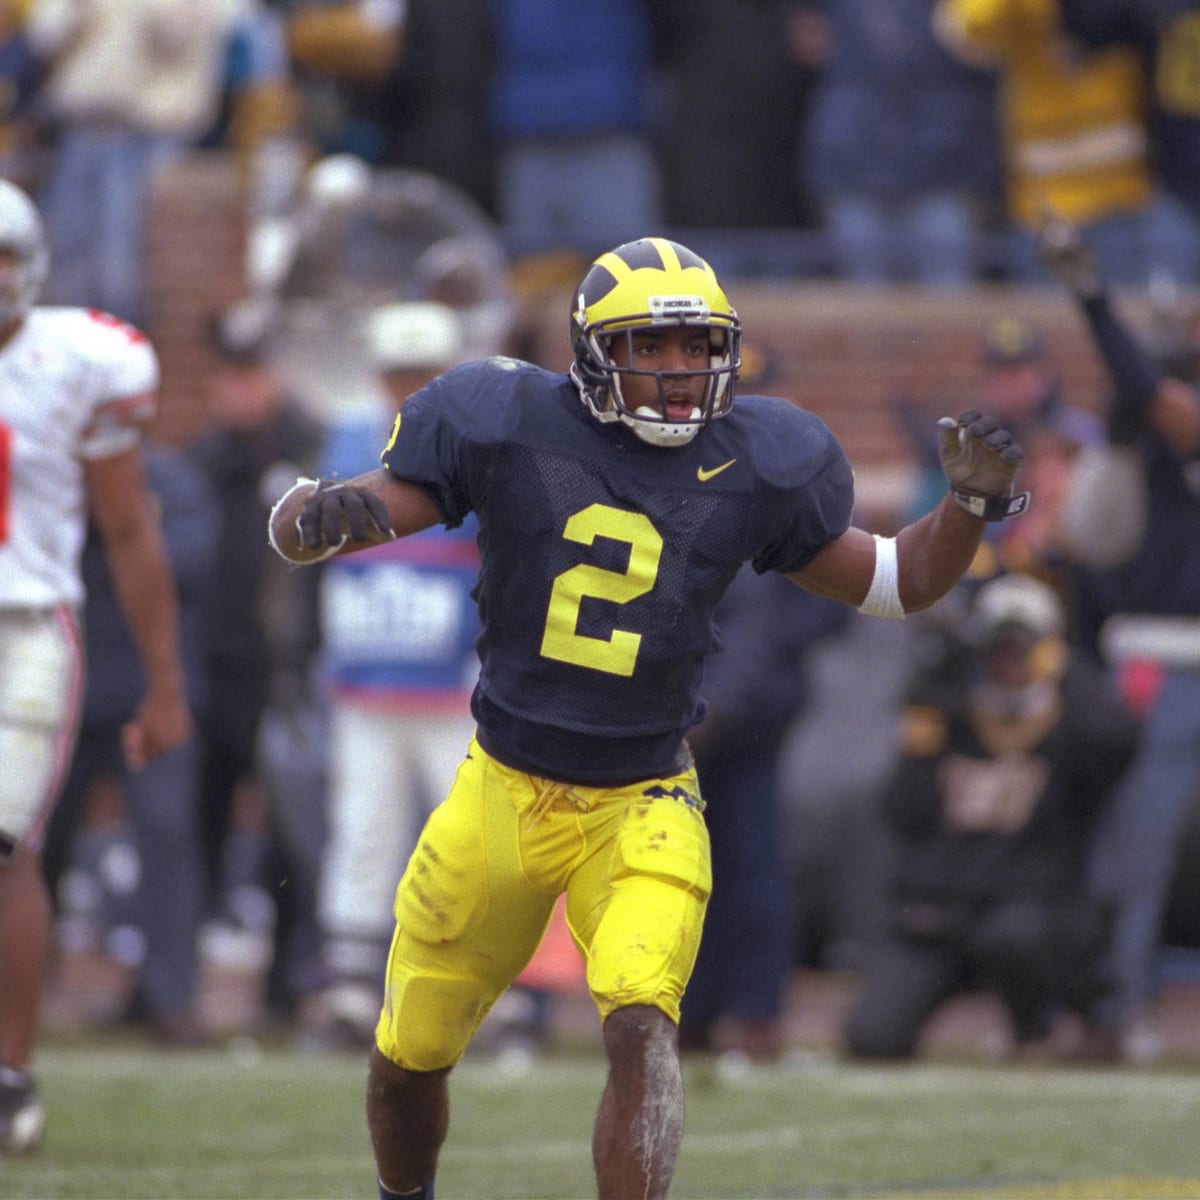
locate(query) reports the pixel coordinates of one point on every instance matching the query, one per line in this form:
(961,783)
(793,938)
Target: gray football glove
(981,460)
(336,513)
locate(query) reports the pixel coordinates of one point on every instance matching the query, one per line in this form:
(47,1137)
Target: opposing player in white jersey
(76,387)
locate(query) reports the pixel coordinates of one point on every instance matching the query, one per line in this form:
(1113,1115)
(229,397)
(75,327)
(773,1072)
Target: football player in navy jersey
(615,504)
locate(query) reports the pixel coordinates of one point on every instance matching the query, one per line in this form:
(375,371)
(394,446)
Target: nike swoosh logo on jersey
(704,476)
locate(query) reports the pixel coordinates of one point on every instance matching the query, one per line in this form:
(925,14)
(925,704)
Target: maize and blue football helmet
(651,283)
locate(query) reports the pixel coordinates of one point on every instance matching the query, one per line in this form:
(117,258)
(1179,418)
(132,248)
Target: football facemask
(652,284)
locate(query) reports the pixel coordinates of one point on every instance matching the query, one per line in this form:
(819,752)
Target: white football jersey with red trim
(75,384)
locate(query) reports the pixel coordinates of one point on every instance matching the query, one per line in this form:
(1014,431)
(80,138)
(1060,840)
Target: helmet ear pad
(589,372)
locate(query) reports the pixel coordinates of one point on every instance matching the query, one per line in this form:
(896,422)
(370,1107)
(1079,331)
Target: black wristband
(990,508)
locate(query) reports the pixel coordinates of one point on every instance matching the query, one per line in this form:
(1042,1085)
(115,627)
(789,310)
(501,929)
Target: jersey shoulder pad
(790,445)
(118,372)
(479,398)
(120,357)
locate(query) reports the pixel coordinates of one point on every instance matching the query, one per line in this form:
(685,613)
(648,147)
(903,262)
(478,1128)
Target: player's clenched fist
(315,518)
(981,460)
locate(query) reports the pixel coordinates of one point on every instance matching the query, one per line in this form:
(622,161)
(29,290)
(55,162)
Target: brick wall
(843,351)
(196,248)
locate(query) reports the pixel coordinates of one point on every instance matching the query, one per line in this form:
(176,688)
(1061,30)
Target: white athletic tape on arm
(328,553)
(883,600)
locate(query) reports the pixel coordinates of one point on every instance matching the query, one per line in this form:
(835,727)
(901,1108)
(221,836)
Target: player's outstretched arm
(893,576)
(318,518)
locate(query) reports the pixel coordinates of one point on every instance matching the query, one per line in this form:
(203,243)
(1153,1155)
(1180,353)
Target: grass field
(132,1123)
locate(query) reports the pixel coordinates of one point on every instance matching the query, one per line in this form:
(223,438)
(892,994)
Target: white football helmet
(23,236)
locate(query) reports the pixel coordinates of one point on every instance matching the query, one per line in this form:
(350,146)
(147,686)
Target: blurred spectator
(1005,763)
(160,803)
(359,237)
(434,103)
(398,629)
(1164,32)
(260,103)
(734,97)
(573,115)
(756,688)
(1073,126)
(259,119)
(260,629)
(131,85)
(900,148)
(341,51)
(20,77)
(1143,593)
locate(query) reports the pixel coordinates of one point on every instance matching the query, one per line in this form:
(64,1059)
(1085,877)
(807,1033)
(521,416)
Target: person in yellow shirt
(19,78)
(1074,135)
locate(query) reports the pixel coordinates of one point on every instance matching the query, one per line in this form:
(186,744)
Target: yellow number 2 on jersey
(616,655)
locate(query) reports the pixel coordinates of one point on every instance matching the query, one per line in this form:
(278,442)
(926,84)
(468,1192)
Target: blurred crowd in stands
(873,141)
(912,139)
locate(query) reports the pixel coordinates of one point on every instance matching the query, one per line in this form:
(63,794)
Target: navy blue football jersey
(603,557)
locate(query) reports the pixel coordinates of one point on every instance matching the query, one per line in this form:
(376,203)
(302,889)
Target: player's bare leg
(25,925)
(408,1114)
(640,1123)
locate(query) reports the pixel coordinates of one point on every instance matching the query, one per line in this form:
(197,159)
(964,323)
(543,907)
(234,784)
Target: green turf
(127,1122)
